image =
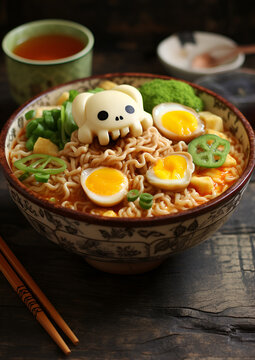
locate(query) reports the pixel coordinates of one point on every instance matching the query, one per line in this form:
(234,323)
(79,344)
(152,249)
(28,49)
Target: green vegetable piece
(24,176)
(159,91)
(72,94)
(40,163)
(61,128)
(55,138)
(95,90)
(49,121)
(39,130)
(31,126)
(46,112)
(209,150)
(146,197)
(55,113)
(52,199)
(145,205)
(69,123)
(146,201)
(30,114)
(40,120)
(43,178)
(30,142)
(133,194)
(48,134)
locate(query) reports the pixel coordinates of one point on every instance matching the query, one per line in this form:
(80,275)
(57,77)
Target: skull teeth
(115,134)
(124,131)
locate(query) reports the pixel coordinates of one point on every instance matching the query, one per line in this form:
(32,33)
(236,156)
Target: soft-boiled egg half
(172,172)
(104,186)
(177,122)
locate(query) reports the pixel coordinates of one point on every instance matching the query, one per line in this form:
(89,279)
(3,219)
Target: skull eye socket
(102,115)
(129,109)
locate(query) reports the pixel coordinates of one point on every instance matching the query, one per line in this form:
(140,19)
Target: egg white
(163,108)
(104,200)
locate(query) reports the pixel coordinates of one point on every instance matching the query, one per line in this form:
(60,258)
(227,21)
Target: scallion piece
(24,176)
(69,122)
(30,142)
(43,178)
(146,201)
(30,128)
(39,163)
(72,94)
(145,205)
(39,130)
(133,194)
(49,121)
(146,197)
(30,114)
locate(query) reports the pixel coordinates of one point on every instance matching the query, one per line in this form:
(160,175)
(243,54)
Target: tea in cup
(45,53)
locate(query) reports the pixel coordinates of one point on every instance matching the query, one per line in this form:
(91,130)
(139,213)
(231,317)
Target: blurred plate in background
(177,51)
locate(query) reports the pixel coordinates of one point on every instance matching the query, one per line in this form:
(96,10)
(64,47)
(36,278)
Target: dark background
(127,32)
(134,28)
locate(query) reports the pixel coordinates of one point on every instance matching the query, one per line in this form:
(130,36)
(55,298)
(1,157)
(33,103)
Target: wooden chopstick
(31,303)
(21,271)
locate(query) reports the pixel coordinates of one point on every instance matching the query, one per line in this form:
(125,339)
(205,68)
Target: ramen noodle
(133,156)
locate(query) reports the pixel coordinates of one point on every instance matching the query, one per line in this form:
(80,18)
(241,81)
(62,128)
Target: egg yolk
(179,122)
(172,167)
(105,181)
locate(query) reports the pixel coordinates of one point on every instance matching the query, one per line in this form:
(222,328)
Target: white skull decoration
(114,113)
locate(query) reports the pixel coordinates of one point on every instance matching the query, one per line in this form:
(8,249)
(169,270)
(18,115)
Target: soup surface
(49,47)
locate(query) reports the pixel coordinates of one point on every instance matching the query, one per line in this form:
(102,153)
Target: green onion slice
(145,205)
(30,114)
(146,198)
(43,178)
(133,194)
(146,201)
(38,164)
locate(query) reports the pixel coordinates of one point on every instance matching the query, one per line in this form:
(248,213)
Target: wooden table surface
(197,305)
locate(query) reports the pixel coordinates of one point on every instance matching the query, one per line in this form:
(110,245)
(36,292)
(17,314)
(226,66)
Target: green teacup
(28,77)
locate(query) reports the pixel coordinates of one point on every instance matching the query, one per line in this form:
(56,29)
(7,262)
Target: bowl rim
(59,22)
(126,221)
(235,64)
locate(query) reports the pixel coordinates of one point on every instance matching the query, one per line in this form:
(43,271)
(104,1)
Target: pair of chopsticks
(28,290)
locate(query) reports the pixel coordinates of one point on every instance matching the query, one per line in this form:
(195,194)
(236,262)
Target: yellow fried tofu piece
(203,184)
(218,133)
(45,146)
(39,110)
(214,173)
(230,161)
(107,84)
(211,120)
(110,213)
(63,98)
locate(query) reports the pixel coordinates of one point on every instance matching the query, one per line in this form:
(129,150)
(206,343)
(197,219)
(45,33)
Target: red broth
(49,47)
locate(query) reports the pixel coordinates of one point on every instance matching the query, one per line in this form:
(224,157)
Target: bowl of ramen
(127,169)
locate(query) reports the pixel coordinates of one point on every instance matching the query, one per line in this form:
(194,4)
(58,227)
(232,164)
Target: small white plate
(177,51)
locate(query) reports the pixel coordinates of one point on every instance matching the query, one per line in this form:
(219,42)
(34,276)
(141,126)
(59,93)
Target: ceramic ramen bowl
(127,245)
